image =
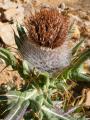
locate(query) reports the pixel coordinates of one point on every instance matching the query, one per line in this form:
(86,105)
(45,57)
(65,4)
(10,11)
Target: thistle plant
(43,40)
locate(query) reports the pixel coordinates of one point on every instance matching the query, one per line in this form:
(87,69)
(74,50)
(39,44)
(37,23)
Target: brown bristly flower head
(47,28)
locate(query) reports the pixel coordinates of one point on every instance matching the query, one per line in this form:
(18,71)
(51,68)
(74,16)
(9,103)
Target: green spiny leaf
(8,57)
(18,111)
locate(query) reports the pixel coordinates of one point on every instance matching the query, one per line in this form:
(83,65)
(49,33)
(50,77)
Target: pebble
(84,15)
(15,14)
(87,102)
(62,6)
(6,34)
(75,32)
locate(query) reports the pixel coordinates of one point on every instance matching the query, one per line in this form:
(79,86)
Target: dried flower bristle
(47,28)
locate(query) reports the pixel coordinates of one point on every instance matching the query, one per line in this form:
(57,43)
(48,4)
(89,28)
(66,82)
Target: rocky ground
(13,11)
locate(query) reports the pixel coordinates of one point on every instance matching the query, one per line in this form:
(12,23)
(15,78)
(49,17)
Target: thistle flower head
(47,28)
(45,46)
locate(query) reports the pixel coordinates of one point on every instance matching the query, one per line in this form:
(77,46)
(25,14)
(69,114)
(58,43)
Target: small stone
(83,15)
(86,67)
(88,43)
(87,102)
(62,6)
(15,14)
(10,13)
(6,34)
(76,32)
(7,4)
